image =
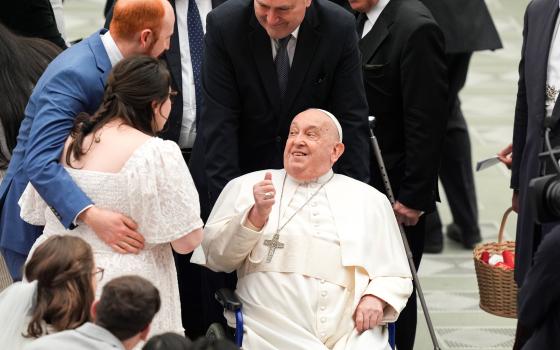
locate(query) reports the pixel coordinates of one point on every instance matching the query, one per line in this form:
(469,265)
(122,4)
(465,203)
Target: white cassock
(344,243)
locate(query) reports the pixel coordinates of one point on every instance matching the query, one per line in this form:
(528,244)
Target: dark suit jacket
(244,124)
(406,87)
(31,18)
(539,298)
(172,57)
(466,25)
(528,129)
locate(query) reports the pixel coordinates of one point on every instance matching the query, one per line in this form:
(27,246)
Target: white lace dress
(155,188)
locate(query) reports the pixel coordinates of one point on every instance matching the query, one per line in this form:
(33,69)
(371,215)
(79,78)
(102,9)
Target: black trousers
(456,171)
(406,323)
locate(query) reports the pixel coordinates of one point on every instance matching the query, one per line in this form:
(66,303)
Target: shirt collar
(375,11)
(295,34)
(94,331)
(111,47)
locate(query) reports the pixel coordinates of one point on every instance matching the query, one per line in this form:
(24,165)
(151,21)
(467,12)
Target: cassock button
(315,214)
(323,319)
(322,281)
(324,293)
(313,204)
(322,308)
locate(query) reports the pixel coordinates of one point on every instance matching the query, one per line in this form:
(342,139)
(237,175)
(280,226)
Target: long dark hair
(22,62)
(133,85)
(63,267)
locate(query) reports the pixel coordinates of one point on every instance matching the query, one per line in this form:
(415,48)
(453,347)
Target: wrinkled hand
(115,229)
(369,313)
(515,201)
(264,194)
(406,215)
(505,156)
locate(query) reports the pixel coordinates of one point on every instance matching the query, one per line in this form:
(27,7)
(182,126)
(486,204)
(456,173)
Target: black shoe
(434,242)
(455,233)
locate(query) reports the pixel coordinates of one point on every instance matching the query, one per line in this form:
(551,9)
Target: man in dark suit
(536,102)
(184,59)
(539,299)
(247,111)
(255,82)
(533,105)
(406,87)
(467,27)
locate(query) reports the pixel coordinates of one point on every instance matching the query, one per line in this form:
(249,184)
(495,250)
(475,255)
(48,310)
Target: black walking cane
(387,184)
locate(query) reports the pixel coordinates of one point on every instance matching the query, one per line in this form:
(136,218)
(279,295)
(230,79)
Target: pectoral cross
(272,245)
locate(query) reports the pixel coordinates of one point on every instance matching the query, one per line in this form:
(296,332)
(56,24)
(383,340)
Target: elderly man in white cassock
(319,257)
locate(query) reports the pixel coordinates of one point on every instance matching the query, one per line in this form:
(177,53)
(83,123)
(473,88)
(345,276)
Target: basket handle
(503,224)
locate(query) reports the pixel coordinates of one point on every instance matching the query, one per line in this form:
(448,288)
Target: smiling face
(280,17)
(312,147)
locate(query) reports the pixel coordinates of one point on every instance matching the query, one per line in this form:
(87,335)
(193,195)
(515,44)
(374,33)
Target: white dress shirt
(188,131)
(112,49)
(291,46)
(373,15)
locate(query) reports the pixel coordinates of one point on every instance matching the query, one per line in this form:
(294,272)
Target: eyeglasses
(98,273)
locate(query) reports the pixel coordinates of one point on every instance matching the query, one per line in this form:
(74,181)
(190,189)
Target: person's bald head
(142,26)
(313,145)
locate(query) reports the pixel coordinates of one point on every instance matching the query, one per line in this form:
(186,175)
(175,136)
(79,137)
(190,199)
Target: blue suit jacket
(72,83)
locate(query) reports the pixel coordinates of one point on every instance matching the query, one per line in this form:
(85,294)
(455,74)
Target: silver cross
(272,245)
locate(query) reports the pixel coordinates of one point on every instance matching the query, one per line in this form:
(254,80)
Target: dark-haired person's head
(22,62)
(167,341)
(126,308)
(213,344)
(142,26)
(66,279)
(138,93)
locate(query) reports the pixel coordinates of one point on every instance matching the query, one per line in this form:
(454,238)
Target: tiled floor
(488,100)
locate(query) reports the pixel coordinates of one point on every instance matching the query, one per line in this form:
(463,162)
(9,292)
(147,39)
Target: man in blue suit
(73,83)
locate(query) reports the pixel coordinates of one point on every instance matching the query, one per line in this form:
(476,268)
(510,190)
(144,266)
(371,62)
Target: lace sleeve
(32,206)
(163,198)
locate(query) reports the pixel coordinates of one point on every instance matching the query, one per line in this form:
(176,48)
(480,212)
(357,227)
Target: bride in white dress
(116,160)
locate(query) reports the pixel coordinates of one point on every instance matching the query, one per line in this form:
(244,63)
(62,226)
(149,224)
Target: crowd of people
(193,145)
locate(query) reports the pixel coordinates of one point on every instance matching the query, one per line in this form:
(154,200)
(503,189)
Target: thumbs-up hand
(263,193)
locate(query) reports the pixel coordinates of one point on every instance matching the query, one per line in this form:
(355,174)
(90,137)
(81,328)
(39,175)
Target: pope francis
(319,257)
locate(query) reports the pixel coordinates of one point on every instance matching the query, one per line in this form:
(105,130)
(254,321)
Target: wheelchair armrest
(227,298)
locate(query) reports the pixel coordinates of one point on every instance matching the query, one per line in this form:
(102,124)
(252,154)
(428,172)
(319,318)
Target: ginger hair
(132,16)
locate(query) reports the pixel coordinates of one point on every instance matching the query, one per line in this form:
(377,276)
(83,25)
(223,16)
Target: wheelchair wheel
(216,331)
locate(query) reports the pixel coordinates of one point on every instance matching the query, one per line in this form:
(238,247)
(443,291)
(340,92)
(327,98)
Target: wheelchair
(229,301)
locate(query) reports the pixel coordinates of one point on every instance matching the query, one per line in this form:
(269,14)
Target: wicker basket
(497,289)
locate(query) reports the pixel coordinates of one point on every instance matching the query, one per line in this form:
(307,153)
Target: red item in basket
(509,258)
(485,256)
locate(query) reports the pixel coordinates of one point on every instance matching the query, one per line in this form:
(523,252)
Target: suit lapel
(173,55)
(372,40)
(101,57)
(308,39)
(216,3)
(542,49)
(370,43)
(260,45)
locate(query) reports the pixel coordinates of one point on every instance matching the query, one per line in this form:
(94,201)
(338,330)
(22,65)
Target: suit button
(278,139)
